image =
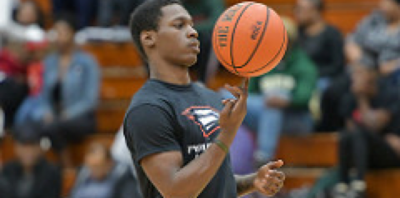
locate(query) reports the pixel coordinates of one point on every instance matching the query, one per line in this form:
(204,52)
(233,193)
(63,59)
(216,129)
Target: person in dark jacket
(371,138)
(322,42)
(30,175)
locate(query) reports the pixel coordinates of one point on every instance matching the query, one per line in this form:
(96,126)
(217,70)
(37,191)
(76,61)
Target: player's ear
(148,38)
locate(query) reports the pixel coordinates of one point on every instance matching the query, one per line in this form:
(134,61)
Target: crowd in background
(49,90)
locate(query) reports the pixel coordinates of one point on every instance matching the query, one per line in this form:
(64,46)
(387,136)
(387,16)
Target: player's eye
(179,25)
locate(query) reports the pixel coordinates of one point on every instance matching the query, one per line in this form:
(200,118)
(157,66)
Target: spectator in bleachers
(70,90)
(371,139)
(30,175)
(278,100)
(13,87)
(15,57)
(324,45)
(110,12)
(378,37)
(84,10)
(102,177)
(320,40)
(29,13)
(204,13)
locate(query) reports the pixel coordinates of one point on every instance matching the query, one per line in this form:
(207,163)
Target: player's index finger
(245,83)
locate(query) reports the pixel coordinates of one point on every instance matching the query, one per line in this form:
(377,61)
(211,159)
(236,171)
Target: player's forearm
(194,177)
(245,184)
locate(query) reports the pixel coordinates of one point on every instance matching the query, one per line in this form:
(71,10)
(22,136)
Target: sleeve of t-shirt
(150,130)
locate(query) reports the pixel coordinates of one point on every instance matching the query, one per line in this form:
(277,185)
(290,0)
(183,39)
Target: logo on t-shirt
(205,117)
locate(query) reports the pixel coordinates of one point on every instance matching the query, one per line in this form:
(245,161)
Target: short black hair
(146,17)
(67,18)
(27,134)
(97,147)
(39,13)
(319,4)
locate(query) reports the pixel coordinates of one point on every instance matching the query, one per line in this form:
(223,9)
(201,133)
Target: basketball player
(179,132)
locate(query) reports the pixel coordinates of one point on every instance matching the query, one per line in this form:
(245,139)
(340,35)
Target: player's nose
(192,33)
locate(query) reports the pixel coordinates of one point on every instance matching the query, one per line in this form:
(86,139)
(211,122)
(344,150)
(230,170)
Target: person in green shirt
(278,100)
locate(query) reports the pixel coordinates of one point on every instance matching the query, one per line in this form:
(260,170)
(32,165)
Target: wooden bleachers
(122,75)
(344,14)
(293,150)
(318,150)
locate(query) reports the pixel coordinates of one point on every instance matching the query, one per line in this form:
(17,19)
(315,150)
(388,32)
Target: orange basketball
(249,39)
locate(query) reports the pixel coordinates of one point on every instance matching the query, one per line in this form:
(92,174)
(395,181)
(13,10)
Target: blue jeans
(270,122)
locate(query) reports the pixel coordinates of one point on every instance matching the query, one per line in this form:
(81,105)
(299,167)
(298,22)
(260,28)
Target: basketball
(249,39)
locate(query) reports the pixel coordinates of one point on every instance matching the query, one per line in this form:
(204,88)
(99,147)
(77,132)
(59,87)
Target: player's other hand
(269,180)
(232,115)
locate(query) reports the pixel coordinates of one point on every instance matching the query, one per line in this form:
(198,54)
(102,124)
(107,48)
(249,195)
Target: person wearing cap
(30,175)
(371,139)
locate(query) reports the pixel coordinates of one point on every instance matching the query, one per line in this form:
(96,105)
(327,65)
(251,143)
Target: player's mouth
(195,46)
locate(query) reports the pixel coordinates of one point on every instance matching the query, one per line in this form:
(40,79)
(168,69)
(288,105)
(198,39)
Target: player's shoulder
(149,95)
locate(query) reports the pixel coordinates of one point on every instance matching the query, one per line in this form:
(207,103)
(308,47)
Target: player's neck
(172,74)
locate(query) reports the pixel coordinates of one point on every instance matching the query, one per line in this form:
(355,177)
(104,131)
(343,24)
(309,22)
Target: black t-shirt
(325,49)
(387,98)
(165,117)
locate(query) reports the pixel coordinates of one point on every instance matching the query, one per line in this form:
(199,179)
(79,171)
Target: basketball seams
(221,58)
(259,41)
(248,64)
(276,55)
(233,37)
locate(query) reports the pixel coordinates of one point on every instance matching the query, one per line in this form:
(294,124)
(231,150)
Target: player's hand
(269,180)
(232,115)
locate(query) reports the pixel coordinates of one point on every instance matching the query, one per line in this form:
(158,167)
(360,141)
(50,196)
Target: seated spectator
(378,37)
(28,13)
(102,177)
(119,11)
(13,88)
(371,139)
(321,41)
(205,13)
(278,100)
(15,57)
(70,90)
(30,175)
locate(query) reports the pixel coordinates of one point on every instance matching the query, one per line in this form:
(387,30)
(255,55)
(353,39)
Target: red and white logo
(205,117)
